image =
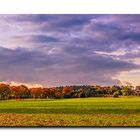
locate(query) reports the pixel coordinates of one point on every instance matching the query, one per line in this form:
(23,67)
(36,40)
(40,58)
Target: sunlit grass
(71,112)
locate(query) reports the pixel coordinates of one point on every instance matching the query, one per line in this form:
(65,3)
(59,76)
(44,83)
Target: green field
(123,111)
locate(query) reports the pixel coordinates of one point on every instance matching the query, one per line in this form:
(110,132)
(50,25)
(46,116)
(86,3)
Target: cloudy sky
(53,50)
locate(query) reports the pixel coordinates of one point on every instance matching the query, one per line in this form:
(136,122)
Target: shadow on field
(68,111)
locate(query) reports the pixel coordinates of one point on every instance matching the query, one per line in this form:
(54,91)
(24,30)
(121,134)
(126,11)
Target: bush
(116,94)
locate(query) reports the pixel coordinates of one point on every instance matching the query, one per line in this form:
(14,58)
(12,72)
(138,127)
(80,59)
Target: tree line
(23,92)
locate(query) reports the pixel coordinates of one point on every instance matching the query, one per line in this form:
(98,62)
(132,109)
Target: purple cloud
(68,49)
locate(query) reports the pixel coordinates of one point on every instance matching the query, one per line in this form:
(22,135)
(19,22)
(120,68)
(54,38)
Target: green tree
(127,91)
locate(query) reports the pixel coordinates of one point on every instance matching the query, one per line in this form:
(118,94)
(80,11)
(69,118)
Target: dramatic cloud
(54,50)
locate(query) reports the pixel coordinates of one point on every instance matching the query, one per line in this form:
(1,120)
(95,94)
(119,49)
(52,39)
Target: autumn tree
(15,93)
(52,92)
(66,93)
(35,92)
(58,95)
(5,91)
(20,92)
(45,94)
(24,91)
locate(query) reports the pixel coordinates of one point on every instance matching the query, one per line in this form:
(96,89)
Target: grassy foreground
(71,112)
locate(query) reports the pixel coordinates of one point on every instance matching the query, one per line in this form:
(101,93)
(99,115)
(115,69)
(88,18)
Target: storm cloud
(55,50)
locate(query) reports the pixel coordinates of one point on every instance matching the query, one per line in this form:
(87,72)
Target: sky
(54,50)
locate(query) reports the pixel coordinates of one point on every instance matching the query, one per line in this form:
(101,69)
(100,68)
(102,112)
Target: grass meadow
(123,111)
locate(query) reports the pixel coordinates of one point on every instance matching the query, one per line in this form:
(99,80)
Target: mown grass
(71,112)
